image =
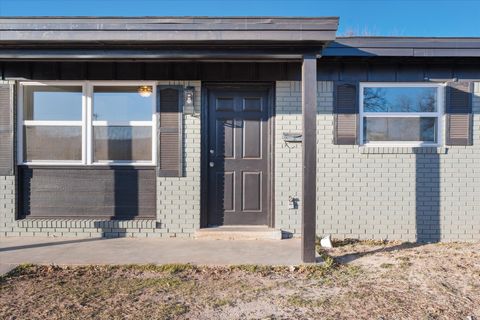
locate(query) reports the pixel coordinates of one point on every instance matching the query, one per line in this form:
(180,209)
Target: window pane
(401,99)
(52,103)
(122,143)
(52,143)
(400,129)
(121,104)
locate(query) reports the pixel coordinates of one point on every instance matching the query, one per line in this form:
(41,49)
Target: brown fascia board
(167,29)
(403,47)
(148,55)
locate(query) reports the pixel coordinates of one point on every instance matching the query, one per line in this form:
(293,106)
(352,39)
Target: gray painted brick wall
(178,200)
(288,156)
(380,193)
(7,206)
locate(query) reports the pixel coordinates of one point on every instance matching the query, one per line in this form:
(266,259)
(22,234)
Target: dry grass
(360,280)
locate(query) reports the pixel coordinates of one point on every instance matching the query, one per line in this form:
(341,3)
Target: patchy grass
(166,268)
(386,265)
(353,242)
(19,270)
(299,301)
(358,280)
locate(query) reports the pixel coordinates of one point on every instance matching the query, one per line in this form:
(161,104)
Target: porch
(204,50)
(74,251)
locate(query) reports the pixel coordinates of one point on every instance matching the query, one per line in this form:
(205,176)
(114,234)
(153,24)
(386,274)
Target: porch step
(239,233)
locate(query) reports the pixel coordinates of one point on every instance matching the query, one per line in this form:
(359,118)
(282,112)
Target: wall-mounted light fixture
(145,91)
(189,106)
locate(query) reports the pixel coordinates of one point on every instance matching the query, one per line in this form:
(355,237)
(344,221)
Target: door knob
(211,164)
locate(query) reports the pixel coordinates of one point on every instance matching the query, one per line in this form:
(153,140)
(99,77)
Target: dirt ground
(359,280)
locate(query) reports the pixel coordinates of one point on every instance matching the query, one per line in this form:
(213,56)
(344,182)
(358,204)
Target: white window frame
(96,123)
(438,114)
(24,123)
(86,123)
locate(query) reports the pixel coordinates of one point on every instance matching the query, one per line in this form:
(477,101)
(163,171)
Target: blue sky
(360,17)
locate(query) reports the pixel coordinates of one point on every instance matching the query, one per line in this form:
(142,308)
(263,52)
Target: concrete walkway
(14,251)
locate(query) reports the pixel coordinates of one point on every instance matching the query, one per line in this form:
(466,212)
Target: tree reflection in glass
(399,99)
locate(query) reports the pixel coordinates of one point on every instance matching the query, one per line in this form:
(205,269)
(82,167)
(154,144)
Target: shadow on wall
(427,197)
(125,183)
(426,172)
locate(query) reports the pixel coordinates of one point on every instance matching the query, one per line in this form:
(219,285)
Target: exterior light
(189,101)
(145,91)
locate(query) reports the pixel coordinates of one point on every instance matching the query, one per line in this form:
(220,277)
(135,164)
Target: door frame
(204,123)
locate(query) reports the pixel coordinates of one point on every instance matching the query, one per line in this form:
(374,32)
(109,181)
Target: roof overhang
(403,47)
(165,38)
(253,54)
(207,39)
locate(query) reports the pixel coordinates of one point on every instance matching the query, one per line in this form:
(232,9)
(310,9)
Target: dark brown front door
(238,156)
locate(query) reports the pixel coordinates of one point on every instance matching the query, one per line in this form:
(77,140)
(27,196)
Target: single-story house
(181,126)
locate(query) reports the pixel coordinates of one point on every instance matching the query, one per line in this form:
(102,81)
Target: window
(403,114)
(52,123)
(86,123)
(122,124)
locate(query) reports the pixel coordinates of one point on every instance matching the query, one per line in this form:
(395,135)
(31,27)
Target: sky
(357,17)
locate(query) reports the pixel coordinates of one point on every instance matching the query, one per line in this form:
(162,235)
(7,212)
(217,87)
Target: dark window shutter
(170,144)
(459,114)
(345,113)
(6,129)
(459,129)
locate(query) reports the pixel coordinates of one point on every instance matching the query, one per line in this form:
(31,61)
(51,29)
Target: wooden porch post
(309,155)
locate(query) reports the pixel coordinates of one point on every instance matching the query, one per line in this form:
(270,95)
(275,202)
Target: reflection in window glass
(400,129)
(121,103)
(122,143)
(400,99)
(52,103)
(52,143)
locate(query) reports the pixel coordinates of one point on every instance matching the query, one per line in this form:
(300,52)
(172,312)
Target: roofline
(85,36)
(404,37)
(404,47)
(151,55)
(174,17)
(155,30)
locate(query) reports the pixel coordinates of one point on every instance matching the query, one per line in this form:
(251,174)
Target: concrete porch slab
(15,251)
(239,233)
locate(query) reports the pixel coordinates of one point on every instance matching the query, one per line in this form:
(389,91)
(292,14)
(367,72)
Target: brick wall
(7,206)
(380,193)
(288,156)
(178,201)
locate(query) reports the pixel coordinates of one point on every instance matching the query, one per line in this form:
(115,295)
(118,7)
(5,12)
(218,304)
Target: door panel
(252,139)
(253,104)
(224,103)
(252,191)
(228,198)
(225,138)
(238,156)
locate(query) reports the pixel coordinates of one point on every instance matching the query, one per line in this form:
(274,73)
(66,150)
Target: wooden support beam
(309,155)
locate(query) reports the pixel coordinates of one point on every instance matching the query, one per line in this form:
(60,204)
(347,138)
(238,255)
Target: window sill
(402,150)
(79,164)
(86,167)
(86,222)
